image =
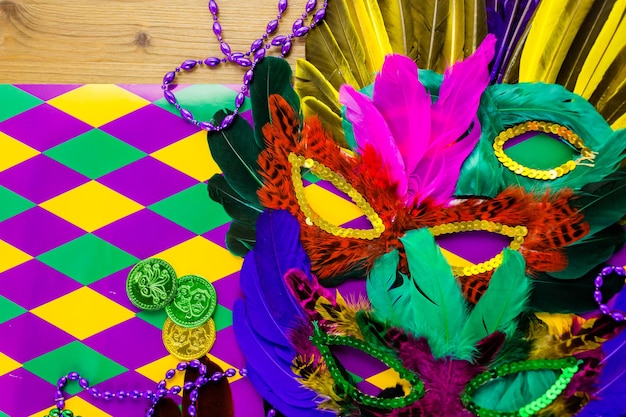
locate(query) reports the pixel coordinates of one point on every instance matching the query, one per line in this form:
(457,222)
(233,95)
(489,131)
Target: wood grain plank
(127,41)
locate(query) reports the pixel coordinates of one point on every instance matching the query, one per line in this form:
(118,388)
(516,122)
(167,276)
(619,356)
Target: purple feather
(612,387)
(265,315)
(507,20)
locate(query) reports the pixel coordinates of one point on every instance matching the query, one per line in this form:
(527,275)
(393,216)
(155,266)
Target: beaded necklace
(248,59)
(153,395)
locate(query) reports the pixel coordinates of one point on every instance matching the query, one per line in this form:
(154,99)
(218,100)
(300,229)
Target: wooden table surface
(127,41)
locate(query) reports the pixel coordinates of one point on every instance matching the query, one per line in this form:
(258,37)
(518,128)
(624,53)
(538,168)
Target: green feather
(503,301)
(272,76)
(235,206)
(240,238)
(380,282)
(435,298)
(236,153)
(512,392)
(603,204)
(504,105)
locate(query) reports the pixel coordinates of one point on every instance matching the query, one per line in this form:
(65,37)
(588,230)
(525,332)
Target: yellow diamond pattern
(13,152)
(388,378)
(79,313)
(199,256)
(7,364)
(155,370)
(78,406)
(191,156)
(10,256)
(98,104)
(91,206)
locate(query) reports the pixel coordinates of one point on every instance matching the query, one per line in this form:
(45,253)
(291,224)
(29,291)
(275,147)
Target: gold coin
(188,343)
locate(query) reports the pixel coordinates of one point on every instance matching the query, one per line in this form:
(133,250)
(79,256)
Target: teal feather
(503,301)
(603,204)
(512,392)
(505,105)
(272,76)
(236,153)
(380,282)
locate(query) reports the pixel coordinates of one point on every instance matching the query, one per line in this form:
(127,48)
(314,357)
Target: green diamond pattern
(4,415)
(87,259)
(310,177)
(9,310)
(95,153)
(156,318)
(12,204)
(20,101)
(194,99)
(75,355)
(223,317)
(192,209)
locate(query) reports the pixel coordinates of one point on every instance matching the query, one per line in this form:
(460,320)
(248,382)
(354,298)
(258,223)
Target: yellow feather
(372,32)
(326,54)
(344,31)
(311,106)
(400,25)
(455,33)
(620,123)
(610,41)
(430,17)
(311,82)
(553,29)
(475,25)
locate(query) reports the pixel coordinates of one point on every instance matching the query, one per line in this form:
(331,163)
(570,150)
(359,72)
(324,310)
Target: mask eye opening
(586,157)
(313,218)
(323,341)
(568,367)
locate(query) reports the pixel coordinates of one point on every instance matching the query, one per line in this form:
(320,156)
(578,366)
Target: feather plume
(430,19)
(455,32)
(310,82)
(610,41)
(554,27)
(371,31)
(371,129)
(272,76)
(236,155)
(166,407)
(610,95)
(503,301)
(397,15)
(431,292)
(312,107)
(582,43)
(328,56)
(235,206)
(263,317)
(475,25)
(509,22)
(240,238)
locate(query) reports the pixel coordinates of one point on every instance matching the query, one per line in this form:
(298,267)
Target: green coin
(151,284)
(194,303)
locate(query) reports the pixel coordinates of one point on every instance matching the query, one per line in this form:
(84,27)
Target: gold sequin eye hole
(312,218)
(516,233)
(586,157)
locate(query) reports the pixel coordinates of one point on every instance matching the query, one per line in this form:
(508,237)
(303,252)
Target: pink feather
(405,104)
(371,128)
(459,96)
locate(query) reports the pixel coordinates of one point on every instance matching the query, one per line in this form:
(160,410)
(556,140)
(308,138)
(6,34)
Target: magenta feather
(370,128)
(405,104)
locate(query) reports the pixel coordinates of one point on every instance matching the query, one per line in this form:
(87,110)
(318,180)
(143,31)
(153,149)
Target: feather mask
(442,349)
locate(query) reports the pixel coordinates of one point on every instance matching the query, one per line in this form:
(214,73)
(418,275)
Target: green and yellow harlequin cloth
(94,178)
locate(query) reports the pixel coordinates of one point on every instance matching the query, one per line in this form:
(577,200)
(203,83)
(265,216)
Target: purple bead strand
(257,50)
(597,294)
